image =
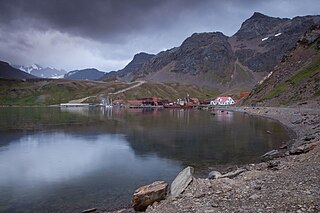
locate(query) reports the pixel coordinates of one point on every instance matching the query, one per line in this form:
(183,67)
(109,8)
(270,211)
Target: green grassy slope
(44,92)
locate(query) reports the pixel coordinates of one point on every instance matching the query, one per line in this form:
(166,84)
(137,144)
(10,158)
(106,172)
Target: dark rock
(182,181)
(273,164)
(214,175)
(309,138)
(257,187)
(147,195)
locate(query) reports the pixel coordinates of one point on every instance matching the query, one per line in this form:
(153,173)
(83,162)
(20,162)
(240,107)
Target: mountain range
(225,63)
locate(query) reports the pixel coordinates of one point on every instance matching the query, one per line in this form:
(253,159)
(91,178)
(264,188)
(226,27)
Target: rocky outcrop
(182,181)
(147,195)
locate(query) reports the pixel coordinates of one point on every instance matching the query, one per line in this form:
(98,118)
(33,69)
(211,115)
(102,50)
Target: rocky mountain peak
(203,39)
(141,57)
(257,15)
(258,25)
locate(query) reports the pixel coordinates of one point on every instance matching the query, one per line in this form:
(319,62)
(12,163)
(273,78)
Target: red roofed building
(224,100)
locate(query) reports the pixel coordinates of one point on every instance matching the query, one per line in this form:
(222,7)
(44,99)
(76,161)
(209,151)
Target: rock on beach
(147,195)
(181,182)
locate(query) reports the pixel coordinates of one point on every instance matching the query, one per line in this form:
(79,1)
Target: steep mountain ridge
(296,79)
(227,63)
(130,70)
(7,71)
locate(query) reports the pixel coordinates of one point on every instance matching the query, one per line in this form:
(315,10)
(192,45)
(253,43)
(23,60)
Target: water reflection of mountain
(198,139)
(190,136)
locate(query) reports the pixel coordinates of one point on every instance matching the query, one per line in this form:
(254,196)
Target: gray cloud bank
(107,33)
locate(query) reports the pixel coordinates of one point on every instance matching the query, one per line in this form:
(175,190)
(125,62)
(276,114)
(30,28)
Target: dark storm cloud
(97,19)
(106,34)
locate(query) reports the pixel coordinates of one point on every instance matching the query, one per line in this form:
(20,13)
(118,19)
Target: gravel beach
(287,181)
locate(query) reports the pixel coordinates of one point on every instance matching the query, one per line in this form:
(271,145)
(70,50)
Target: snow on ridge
(264,39)
(23,69)
(34,66)
(276,35)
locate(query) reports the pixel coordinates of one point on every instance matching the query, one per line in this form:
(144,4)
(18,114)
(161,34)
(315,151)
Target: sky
(106,34)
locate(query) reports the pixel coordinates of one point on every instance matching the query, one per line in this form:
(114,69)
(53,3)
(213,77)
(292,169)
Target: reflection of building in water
(102,112)
(77,110)
(106,112)
(223,115)
(180,114)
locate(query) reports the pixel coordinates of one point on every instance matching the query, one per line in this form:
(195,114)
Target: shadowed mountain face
(7,71)
(86,74)
(129,71)
(218,61)
(296,79)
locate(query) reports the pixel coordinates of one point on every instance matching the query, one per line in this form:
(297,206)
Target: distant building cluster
(155,102)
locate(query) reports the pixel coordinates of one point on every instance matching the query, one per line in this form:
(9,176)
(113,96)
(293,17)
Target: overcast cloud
(105,34)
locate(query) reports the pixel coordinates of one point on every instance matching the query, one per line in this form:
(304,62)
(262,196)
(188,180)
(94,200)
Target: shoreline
(287,182)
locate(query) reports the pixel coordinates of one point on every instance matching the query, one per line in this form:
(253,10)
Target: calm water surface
(67,160)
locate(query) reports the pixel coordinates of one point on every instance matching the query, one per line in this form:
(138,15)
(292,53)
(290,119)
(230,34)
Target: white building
(222,101)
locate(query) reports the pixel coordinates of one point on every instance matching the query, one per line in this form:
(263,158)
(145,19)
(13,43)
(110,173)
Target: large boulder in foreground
(147,195)
(182,181)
